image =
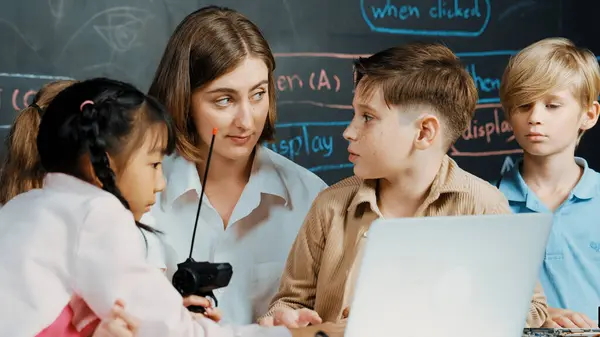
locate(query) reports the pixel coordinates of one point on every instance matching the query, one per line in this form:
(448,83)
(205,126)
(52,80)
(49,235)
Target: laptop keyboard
(563,332)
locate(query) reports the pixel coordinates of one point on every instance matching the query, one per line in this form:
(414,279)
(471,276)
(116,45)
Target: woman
(217,72)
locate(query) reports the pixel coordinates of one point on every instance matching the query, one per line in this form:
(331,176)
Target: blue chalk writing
(447,11)
(306,144)
(322,168)
(485,84)
(301,124)
(293,147)
(488,100)
(487,53)
(441,11)
(310,144)
(402,12)
(35,76)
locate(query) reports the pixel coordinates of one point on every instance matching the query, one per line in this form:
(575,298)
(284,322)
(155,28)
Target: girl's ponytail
(21,170)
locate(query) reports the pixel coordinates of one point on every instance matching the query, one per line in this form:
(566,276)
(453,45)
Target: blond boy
(549,93)
(411,103)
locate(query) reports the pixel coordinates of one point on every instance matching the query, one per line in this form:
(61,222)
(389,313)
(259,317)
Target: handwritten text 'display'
(488,134)
(307,139)
(467,18)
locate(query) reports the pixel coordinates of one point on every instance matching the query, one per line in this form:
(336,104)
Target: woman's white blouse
(256,241)
(72,238)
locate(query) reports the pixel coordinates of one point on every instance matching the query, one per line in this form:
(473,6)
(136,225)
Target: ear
(428,129)
(590,117)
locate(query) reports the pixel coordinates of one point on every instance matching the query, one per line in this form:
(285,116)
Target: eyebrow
(161,150)
(364,106)
(229,90)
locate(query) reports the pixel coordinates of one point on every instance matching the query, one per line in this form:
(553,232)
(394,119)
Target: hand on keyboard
(562,318)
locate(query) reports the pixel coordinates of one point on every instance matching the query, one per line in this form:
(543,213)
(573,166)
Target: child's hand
(562,318)
(291,318)
(210,312)
(329,328)
(119,323)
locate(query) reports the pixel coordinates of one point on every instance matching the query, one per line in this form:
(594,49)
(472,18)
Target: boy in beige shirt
(411,103)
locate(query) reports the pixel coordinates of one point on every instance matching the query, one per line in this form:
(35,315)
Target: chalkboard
(314,42)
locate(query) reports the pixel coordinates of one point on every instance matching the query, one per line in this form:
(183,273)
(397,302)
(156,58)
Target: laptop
(561,332)
(463,276)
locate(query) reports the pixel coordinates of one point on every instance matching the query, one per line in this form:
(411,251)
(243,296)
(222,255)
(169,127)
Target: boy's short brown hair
(550,64)
(422,74)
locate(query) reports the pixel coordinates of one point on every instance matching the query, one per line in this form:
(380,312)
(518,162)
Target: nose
(350,132)
(244,115)
(536,114)
(160,184)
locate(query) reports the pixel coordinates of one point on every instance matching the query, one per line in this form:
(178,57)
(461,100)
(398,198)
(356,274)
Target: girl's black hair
(115,121)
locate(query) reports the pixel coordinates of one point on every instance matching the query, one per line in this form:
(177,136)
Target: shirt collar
(366,194)
(515,189)
(587,187)
(182,176)
(512,184)
(450,179)
(268,175)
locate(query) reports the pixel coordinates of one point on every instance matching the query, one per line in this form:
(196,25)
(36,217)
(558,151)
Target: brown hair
(22,170)
(421,73)
(547,65)
(207,44)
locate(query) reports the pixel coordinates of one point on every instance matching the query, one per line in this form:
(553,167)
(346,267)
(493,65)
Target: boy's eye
(367,117)
(524,107)
(156,165)
(553,106)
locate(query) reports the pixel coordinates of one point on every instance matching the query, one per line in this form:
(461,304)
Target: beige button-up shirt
(321,270)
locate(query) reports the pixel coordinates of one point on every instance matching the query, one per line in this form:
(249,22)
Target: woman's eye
(258,95)
(223,101)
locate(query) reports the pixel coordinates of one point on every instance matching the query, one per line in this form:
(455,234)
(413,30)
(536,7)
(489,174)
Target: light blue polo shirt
(570,273)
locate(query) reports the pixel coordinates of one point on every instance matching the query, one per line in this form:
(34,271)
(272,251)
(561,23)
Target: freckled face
(380,137)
